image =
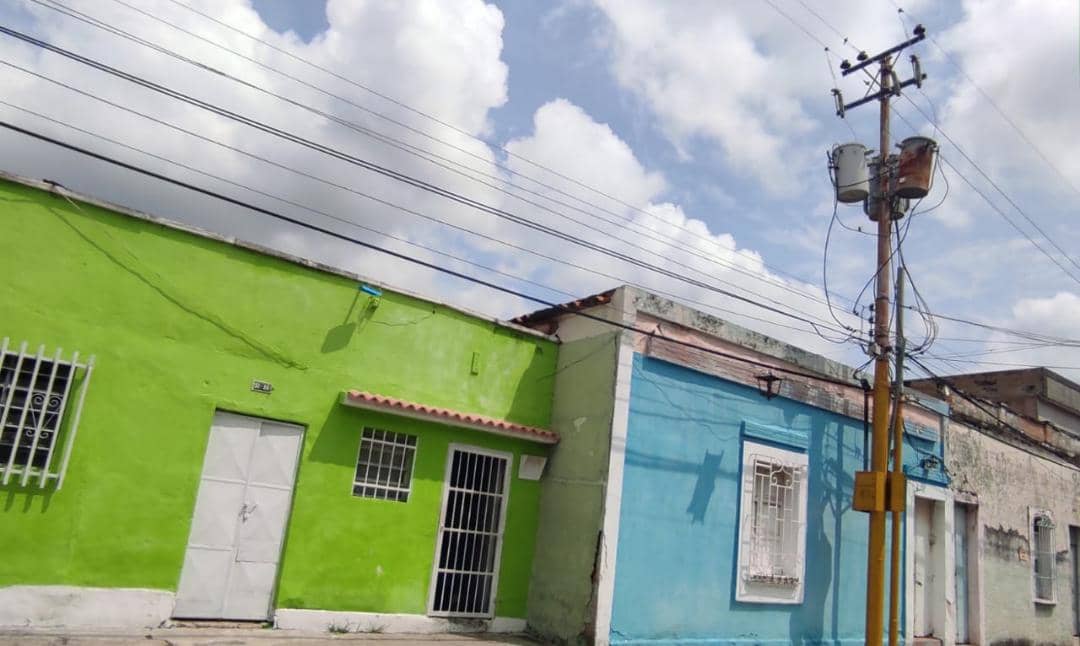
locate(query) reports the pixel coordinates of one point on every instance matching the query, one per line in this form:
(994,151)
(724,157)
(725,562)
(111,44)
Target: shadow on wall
(337,440)
(823,557)
(25,500)
(704,487)
(532,400)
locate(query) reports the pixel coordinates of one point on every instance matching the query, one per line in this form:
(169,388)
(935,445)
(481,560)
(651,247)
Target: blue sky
(708,122)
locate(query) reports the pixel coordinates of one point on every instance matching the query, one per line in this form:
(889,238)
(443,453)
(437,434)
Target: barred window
(385,465)
(772,525)
(35,392)
(1042,547)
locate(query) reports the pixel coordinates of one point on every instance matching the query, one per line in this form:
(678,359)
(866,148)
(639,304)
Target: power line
(383,202)
(706,306)
(1002,192)
(828,24)
(410,259)
(1035,336)
(397,175)
(426,155)
(426,115)
(422,153)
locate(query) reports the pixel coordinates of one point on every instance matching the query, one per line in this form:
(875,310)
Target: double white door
(230,566)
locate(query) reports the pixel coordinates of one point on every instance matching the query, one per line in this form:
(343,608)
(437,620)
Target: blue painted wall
(676,563)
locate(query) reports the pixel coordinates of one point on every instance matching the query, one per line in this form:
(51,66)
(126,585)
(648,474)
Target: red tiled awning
(372,401)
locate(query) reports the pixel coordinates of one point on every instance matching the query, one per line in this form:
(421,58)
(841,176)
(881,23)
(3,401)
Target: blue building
(703,490)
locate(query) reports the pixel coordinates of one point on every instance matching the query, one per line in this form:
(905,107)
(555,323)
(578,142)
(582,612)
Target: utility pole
(878,491)
(879,456)
(897,483)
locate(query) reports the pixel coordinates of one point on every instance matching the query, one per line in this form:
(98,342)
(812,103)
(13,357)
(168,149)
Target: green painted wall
(180,325)
(561,599)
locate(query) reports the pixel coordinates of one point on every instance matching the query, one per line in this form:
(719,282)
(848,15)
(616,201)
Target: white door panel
(228,453)
(241,511)
(215,523)
(251,586)
(201,592)
(274,462)
(262,525)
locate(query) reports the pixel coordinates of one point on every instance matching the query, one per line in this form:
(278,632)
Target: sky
(678,146)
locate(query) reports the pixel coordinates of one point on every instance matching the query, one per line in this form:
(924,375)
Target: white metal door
(240,516)
(924,568)
(475,495)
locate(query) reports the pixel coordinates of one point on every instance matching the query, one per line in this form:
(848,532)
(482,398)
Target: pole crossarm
(847,68)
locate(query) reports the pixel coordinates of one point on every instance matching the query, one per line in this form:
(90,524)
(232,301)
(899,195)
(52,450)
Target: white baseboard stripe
(42,606)
(373,622)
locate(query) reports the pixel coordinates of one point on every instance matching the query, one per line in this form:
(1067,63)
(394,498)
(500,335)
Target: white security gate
(469,546)
(230,566)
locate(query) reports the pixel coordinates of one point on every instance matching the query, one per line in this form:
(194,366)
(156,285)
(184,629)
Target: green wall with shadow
(180,325)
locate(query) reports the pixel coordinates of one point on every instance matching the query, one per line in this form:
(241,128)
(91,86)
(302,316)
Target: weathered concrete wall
(1008,482)
(561,603)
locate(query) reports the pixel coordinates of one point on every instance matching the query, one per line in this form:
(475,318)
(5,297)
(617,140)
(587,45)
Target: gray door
(241,511)
(960,543)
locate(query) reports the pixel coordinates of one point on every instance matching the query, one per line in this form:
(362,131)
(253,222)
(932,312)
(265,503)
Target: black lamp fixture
(769,384)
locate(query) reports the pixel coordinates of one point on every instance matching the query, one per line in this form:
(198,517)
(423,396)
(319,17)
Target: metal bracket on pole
(839,99)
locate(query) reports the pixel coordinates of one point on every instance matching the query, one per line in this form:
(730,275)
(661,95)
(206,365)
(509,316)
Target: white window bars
(775,521)
(35,394)
(466,571)
(384,466)
(1043,565)
(772,525)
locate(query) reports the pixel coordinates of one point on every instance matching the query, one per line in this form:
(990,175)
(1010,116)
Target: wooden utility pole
(877,491)
(879,456)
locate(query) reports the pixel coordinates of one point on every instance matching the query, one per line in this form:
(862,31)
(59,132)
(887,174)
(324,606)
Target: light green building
(246,435)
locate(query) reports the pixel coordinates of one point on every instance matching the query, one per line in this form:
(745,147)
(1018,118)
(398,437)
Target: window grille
(385,465)
(772,525)
(772,548)
(470,534)
(35,394)
(1043,561)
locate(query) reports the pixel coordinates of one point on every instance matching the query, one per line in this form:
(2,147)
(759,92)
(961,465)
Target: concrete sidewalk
(213,636)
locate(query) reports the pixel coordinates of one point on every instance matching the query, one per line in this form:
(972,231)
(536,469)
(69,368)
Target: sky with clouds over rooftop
(679,146)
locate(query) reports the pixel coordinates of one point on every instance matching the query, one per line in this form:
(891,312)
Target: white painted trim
(369,622)
(620,418)
(43,606)
(508,459)
(943,499)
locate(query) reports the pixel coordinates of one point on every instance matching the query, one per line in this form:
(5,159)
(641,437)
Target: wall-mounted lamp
(375,294)
(930,463)
(769,385)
